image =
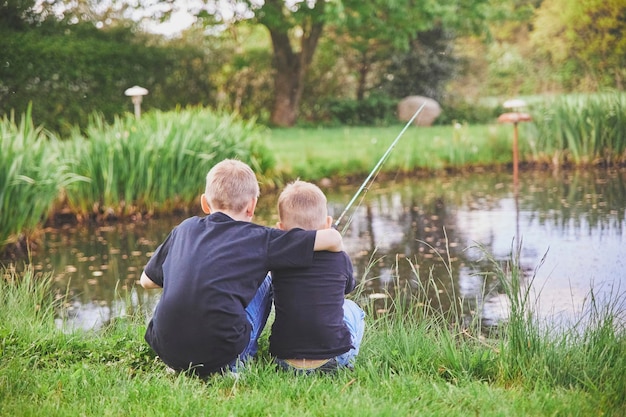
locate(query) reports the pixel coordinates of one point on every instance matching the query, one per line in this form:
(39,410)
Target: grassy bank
(413,361)
(353,151)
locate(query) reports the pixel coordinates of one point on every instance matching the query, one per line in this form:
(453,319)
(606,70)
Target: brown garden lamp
(136,94)
(515,116)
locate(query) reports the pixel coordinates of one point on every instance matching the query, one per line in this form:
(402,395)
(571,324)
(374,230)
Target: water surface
(416,234)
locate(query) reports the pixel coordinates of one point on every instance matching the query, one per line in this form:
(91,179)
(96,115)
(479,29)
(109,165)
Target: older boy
(213,271)
(316,328)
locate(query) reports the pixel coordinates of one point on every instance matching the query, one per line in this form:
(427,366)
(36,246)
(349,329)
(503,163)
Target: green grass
(117,170)
(414,360)
(339,151)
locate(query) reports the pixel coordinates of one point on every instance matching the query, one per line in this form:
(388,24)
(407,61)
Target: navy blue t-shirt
(210,269)
(309,308)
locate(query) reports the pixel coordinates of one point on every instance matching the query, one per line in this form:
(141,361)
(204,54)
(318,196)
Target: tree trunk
(290,67)
(287,85)
(364,68)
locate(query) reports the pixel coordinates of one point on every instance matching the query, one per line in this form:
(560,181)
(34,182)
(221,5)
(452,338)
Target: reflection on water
(419,234)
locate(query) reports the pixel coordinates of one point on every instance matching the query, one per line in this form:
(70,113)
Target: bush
(461,111)
(67,72)
(376,110)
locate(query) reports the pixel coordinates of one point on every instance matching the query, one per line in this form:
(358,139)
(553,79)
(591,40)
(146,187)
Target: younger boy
(315,328)
(213,271)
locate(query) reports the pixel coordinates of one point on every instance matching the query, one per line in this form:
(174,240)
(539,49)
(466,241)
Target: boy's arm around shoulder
(147,283)
(328,239)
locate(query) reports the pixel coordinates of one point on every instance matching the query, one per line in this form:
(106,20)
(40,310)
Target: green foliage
(27,304)
(17,14)
(533,352)
(586,35)
(372,111)
(32,174)
(68,72)
(455,110)
(424,69)
(28,311)
(580,129)
(155,164)
(158,163)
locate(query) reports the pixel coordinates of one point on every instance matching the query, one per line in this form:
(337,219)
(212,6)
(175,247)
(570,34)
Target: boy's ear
(329,222)
(205,204)
(279,225)
(251,207)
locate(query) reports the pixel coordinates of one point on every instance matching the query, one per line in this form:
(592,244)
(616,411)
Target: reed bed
(415,359)
(580,130)
(157,164)
(33,173)
(129,167)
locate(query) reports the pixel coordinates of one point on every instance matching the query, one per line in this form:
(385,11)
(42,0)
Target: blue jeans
(354,317)
(257,311)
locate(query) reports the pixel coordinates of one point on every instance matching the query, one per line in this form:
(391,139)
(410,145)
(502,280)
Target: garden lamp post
(514,116)
(136,94)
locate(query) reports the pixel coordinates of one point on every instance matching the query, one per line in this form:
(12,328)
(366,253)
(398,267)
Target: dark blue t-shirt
(210,269)
(309,308)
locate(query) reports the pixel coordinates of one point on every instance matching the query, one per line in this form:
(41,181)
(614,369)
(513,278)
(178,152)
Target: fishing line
(373,174)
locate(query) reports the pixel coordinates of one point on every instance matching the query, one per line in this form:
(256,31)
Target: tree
(372,34)
(296,26)
(584,38)
(305,24)
(424,69)
(17,14)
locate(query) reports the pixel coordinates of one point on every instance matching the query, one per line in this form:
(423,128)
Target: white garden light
(136,94)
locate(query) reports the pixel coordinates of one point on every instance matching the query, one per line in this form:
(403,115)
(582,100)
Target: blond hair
(230,185)
(303,205)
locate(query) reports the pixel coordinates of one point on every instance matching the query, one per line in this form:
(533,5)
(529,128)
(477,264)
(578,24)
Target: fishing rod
(374,171)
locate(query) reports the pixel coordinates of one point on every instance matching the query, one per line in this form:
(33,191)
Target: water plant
(158,163)
(556,355)
(33,173)
(580,130)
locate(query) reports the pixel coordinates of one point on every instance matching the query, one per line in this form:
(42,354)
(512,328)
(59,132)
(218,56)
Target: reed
(33,172)
(158,163)
(580,130)
(522,350)
(586,355)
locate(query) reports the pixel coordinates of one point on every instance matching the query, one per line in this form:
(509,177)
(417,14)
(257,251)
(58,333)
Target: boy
(315,328)
(213,270)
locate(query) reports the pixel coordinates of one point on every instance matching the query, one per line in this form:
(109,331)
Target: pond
(438,235)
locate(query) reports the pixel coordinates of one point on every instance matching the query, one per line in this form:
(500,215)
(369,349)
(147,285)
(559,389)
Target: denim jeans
(354,317)
(257,311)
